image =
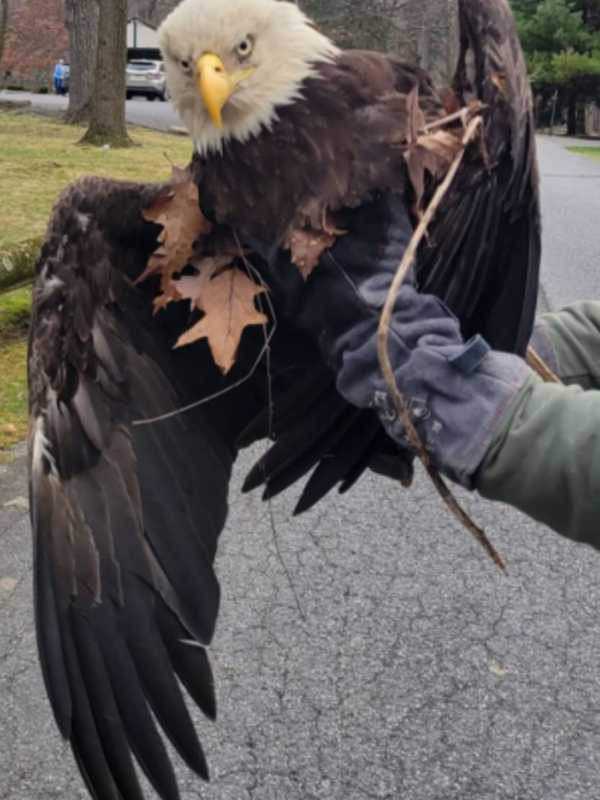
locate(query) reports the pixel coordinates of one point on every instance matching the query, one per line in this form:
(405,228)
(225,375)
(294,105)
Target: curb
(14,105)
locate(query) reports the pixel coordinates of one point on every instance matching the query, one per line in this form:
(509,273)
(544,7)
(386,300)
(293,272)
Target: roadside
(138,110)
(570,184)
(14,321)
(589,152)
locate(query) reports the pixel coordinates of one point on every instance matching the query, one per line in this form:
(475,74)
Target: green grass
(14,319)
(591,152)
(39,156)
(15,308)
(13,395)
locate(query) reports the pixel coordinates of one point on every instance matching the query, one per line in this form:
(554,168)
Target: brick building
(36,38)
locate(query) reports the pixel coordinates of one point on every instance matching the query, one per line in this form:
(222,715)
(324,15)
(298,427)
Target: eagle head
(232,63)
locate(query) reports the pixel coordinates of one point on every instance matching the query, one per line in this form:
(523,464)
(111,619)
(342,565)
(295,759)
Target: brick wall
(36,39)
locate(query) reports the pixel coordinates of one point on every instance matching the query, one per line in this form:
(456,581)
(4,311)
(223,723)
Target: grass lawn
(591,152)
(14,319)
(38,158)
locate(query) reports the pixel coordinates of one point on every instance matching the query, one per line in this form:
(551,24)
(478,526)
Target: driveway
(402,665)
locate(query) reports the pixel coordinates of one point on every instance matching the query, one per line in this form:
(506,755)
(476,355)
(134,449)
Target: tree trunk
(81,17)
(107,123)
(3,29)
(572,115)
(580,119)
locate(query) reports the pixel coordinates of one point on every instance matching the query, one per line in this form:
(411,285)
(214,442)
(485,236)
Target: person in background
(59,77)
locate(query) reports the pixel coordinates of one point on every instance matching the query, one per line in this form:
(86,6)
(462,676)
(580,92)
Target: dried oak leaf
(226,296)
(430,152)
(183,223)
(307,246)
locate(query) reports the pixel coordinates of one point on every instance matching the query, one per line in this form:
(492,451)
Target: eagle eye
(244,48)
(185,64)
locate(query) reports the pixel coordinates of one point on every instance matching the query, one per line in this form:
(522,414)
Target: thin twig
(457,115)
(254,273)
(209,398)
(386,365)
(537,364)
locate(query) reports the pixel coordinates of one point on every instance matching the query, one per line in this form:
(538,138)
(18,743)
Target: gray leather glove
(458,391)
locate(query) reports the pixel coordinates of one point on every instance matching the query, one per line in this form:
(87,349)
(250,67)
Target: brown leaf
(430,153)
(178,211)
(227,298)
(307,246)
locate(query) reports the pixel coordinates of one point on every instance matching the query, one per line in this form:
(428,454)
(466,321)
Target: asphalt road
(139,110)
(414,669)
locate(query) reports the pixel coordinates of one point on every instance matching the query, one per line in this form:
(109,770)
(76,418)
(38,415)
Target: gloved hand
(352,279)
(458,392)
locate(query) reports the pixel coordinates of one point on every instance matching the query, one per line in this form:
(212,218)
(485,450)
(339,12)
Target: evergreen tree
(562,41)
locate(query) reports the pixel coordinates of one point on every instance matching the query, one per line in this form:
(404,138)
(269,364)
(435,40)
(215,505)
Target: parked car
(147,78)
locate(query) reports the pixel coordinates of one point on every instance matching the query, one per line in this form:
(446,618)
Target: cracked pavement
(403,664)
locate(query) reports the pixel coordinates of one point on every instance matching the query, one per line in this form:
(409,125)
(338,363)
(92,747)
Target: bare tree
(420,31)
(3,29)
(81,17)
(107,122)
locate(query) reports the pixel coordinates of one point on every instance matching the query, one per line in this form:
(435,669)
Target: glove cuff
(458,398)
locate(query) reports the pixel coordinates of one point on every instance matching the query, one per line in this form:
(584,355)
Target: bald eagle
(126,518)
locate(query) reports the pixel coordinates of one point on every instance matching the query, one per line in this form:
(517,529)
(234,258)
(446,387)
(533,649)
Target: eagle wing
(125,517)
(483,251)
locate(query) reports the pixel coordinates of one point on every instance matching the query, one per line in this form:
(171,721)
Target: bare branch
(386,365)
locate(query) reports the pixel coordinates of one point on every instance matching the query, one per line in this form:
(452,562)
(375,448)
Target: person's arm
(545,457)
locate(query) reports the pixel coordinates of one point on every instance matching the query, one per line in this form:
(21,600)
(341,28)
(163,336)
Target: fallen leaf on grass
(227,299)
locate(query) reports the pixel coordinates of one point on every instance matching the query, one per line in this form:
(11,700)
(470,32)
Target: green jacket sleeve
(545,458)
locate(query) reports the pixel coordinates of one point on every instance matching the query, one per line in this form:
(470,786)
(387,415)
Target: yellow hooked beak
(216,85)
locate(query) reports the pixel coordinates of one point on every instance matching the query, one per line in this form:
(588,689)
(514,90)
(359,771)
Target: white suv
(147,78)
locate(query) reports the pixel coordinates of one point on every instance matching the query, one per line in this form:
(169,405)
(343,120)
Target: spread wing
(483,252)
(125,517)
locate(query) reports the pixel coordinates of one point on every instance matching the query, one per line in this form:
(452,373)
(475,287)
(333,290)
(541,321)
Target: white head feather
(285,49)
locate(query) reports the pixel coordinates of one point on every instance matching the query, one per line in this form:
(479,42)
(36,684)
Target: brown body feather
(343,140)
